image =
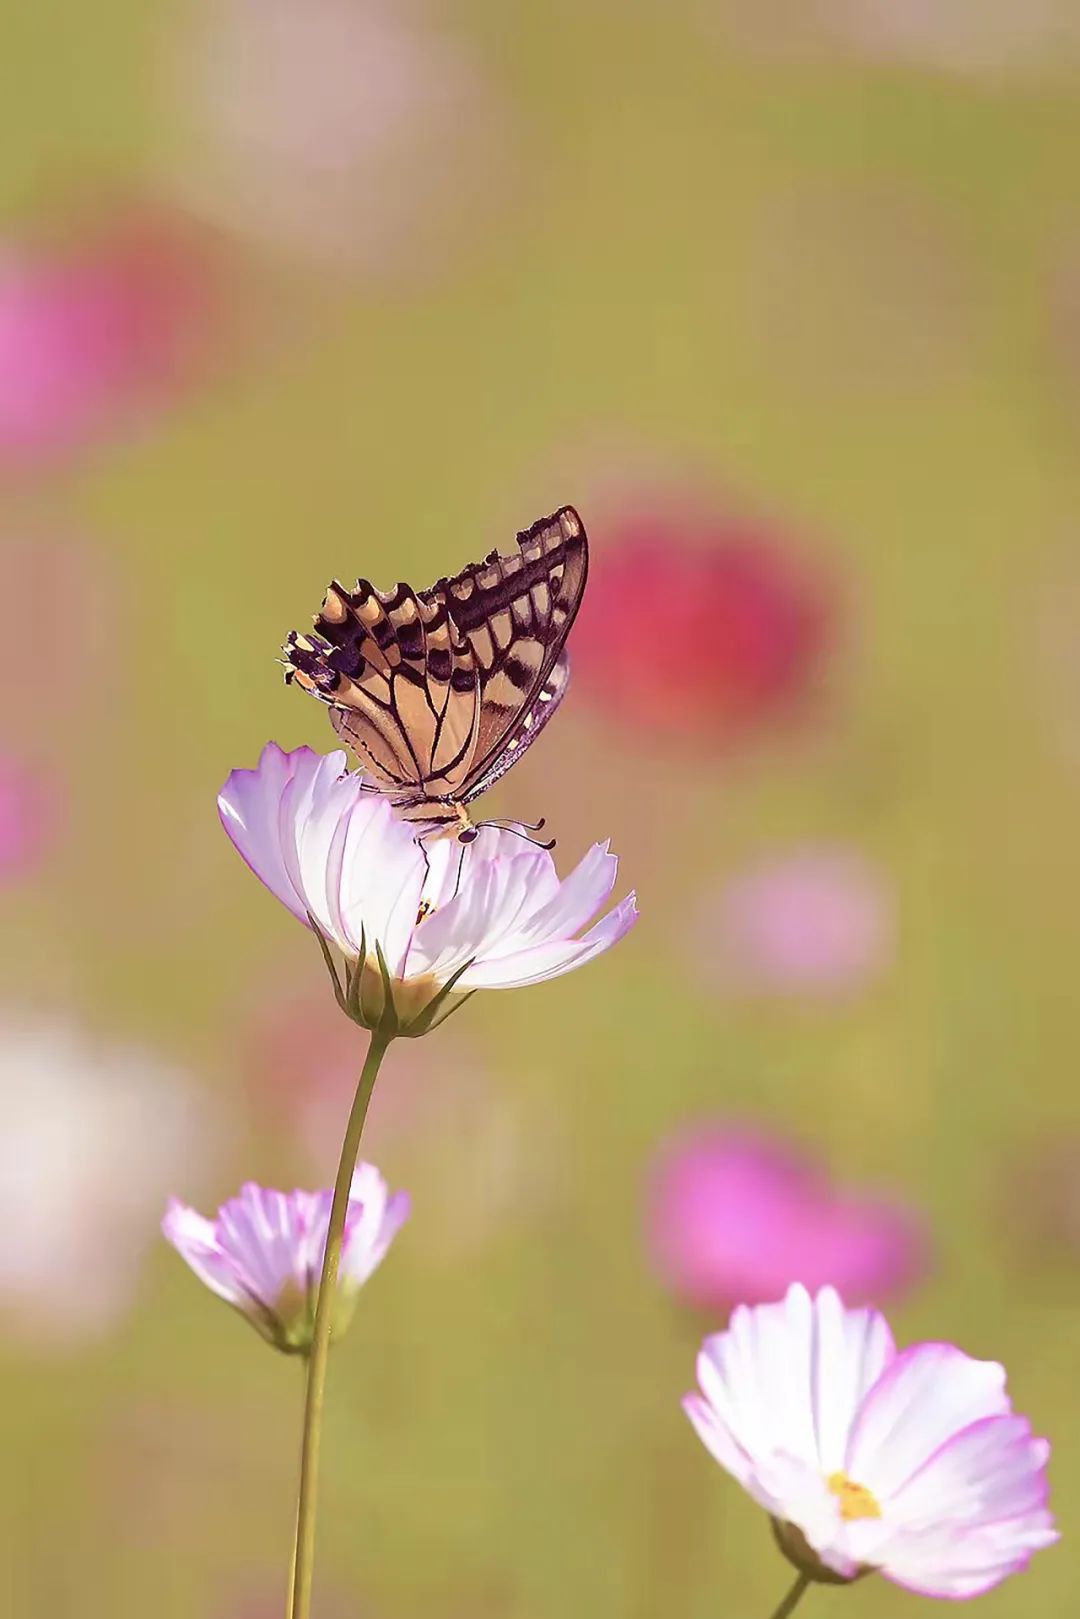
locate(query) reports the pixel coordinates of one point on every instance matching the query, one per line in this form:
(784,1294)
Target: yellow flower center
(856,1501)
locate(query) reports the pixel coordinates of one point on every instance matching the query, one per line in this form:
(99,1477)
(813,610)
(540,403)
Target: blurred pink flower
(1007,39)
(736,1215)
(1037,1195)
(38,570)
(93,1137)
(816,921)
(489,1153)
(265,1603)
(358,133)
(1002,41)
(93,335)
(751,625)
(27,811)
(297,1060)
(301,1066)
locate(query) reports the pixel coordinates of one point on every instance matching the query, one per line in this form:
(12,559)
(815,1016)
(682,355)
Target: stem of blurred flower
(793,1598)
(304,1549)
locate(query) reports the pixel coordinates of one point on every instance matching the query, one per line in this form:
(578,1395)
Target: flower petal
(373,1221)
(382,877)
(946,1562)
(263,1231)
(928,1394)
(992,1470)
(580,895)
(543,961)
(851,1350)
(491,895)
(324,844)
(195,1241)
(249,805)
(718,1438)
(789,1377)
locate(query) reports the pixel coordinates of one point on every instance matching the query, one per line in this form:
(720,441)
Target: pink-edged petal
(851,1350)
(369,1204)
(512,905)
(953,1563)
(789,1377)
(614,926)
(370,1231)
(925,1396)
(399,931)
(546,961)
(526,967)
(398,1210)
(718,1438)
(324,845)
(994,1469)
(584,892)
(310,1212)
(260,1229)
(382,874)
(472,922)
(756,1375)
(312,807)
(195,1241)
(250,808)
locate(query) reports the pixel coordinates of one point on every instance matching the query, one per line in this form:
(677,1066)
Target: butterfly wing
(525,732)
(429,688)
(515,612)
(401,684)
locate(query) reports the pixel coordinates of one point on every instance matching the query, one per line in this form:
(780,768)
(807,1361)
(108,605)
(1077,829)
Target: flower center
(856,1501)
(426,909)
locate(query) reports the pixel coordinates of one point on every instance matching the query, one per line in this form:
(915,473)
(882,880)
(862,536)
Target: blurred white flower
(1007,38)
(349,132)
(94,1137)
(1006,41)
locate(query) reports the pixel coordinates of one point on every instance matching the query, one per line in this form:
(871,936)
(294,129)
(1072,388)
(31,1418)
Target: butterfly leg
(426,906)
(522,829)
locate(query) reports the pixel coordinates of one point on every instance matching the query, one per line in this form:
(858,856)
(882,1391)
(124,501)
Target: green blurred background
(801,261)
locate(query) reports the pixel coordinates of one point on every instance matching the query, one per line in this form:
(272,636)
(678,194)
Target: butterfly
(439,692)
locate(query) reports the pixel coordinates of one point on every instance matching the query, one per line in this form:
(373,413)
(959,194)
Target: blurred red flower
(93,334)
(735,1216)
(700,626)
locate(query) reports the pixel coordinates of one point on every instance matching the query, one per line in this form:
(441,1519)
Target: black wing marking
(525,733)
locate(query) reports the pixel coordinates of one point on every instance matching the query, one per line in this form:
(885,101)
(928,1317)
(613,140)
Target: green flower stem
(304,1550)
(794,1597)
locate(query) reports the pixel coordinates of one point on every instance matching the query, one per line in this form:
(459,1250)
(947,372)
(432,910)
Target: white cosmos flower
(447,918)
(264,1252)
(93,1135)
(910,1462)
